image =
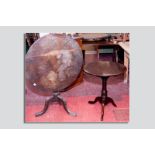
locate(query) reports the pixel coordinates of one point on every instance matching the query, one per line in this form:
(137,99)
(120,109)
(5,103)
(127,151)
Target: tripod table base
(59,100)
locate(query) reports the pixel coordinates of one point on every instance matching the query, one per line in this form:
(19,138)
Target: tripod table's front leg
(61,100)
(44,109)
(102,113)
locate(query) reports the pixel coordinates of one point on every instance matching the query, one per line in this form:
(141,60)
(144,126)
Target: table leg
(110,100)
(102,113)
(60,100)
(44,109)
(98,98)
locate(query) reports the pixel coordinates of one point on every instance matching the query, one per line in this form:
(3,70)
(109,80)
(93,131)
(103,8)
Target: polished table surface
(103,70)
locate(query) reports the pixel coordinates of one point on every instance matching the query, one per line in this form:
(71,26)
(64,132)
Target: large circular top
(104,68)
(53,63)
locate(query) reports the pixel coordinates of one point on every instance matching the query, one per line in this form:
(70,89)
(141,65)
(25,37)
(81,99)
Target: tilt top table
(104,70)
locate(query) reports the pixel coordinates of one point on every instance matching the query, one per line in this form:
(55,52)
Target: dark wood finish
(52,65)
(80,77)
(58,99)
(104,69)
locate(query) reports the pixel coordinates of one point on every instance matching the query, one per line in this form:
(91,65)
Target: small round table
(103,70)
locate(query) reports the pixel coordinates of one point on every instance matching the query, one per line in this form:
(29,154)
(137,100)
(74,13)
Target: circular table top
(52,64)
(104,68)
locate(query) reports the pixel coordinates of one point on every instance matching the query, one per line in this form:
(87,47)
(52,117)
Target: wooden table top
(104,68)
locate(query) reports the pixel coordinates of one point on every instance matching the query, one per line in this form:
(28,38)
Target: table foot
(68,111)
(96,100)
(110,100)
(107,100)
(58,99)
(104,102)
(63,102)
(44,109)
(102,114)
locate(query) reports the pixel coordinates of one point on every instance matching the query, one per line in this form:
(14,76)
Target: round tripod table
(104,70)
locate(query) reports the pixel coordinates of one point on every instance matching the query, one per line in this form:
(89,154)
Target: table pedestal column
(103,99)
